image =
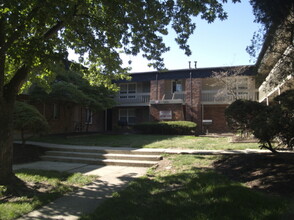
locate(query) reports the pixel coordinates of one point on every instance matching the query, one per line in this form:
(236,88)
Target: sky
(221,43)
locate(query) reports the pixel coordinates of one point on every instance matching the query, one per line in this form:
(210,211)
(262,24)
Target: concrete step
(105,156)
(132,163)
(105,150)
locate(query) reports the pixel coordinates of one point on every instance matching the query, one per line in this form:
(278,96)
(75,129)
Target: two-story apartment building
(188,94)
(275,64)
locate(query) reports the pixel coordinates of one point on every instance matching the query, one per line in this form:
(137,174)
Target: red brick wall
(157,89)
(217,114)
(177,111)
(71,118)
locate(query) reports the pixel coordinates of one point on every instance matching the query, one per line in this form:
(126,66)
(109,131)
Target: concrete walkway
(152,150)
(86,199)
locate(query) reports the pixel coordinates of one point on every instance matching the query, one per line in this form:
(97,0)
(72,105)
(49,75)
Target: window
(177,86)
(56,111)
(128,116)
(242,83)
(127,91)
(89,116)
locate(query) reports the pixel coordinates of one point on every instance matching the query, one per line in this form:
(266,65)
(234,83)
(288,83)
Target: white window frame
(128,114)
(128,94)
(172,86)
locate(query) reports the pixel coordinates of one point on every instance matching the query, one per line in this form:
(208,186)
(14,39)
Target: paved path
(85,200)
(154,150)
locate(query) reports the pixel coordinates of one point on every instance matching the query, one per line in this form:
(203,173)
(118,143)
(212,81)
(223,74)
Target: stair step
(133,163)
(105,156)
(106,150)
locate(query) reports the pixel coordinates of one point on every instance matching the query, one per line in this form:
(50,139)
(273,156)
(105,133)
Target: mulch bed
(269,173)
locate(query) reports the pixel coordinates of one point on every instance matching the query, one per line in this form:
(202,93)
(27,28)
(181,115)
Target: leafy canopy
(70,86)
(36,34)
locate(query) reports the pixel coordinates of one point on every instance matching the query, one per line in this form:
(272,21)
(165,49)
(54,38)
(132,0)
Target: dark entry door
(109,120)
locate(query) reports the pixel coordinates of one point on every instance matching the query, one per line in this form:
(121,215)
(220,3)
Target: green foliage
(167,127)
(266,122)
(28,119)
(70,86)
(285,109)
(240,113)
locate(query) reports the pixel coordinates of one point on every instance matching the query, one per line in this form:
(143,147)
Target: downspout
(157,86)
(191,96)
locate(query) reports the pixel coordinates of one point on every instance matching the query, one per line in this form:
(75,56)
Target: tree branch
(53,30)
(12,88)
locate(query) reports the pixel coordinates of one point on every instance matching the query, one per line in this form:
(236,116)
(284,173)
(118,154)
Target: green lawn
(190,189)
(56,183)
(150,141)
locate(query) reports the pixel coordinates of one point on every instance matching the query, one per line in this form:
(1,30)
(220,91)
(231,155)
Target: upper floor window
(242,83)
(127,90)
(237,83)
(177,86)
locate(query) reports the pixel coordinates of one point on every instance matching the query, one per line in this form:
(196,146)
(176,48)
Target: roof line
(201,68)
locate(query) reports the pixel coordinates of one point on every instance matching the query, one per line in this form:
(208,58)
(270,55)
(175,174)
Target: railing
(132,99)
(179,95)
(214,96)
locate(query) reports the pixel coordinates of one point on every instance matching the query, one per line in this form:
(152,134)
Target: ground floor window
(127,116)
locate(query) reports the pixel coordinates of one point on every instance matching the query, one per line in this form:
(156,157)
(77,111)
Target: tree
(70,88)
(240,114)
(27,119)
(229,80)
(36,34)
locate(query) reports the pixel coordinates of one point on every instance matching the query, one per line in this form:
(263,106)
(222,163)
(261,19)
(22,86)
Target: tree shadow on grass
(268,173)
(197,194)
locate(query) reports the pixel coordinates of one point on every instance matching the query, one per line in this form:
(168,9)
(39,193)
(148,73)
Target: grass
(150,141)
(190,189)
(54,184)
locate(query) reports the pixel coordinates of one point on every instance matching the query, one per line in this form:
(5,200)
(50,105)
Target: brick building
(189,94)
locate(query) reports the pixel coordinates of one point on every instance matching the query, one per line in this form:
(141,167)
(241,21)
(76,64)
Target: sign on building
(164,115)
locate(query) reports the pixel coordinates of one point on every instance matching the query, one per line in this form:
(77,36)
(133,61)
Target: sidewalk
(153,150)
(85,200)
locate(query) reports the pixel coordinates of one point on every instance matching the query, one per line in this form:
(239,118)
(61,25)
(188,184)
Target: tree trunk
(6,141)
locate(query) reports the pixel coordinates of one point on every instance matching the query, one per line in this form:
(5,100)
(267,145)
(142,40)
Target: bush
(240,114)
(266,122)
(28,119)
(285,105)
(167,127)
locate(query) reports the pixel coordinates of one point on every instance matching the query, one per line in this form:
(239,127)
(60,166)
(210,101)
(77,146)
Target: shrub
(266,122)
(167,127)
(285,105)
(28,119)
(240,114)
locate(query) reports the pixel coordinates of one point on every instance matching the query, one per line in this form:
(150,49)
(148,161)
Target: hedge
(166,127)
